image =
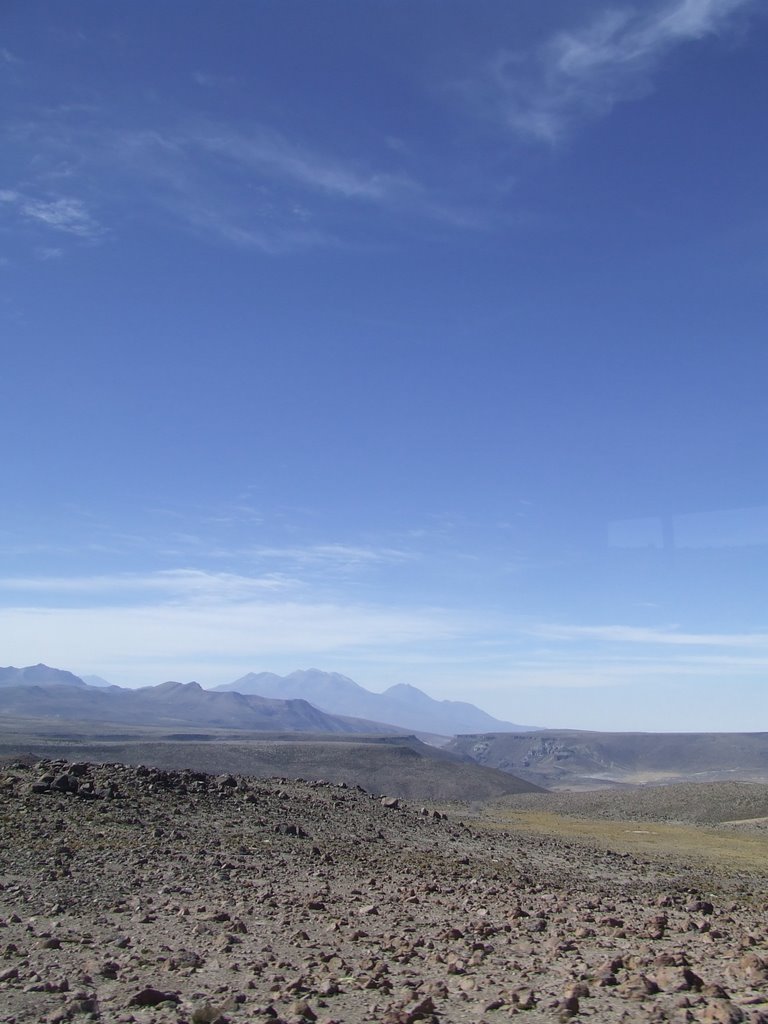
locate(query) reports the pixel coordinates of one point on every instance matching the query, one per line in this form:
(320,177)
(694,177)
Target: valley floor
(143,895)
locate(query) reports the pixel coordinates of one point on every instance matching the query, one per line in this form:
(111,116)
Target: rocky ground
(133,894)
(400,764)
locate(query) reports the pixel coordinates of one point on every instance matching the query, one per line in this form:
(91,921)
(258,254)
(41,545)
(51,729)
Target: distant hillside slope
(95,681)
(39,674)
(579,759)
(171,705)
(402,705)
(396,766)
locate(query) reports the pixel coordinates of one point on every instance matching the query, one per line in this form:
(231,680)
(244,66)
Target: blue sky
(424,342)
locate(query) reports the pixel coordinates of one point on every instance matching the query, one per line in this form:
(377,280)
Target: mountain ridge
(402,704)
(43,692)
(39,675)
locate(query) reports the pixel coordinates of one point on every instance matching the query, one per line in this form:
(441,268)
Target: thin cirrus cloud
(341,556)
(174,584)
(138,640)
(585,72)
(632,635)
(300,571)
(251,188)
(247,185)
(271,157)
(294,573)
(270,154)
(62,213)
(212,216)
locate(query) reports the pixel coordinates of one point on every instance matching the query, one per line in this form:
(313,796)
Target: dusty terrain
(699,803)
(576,760)
(137,895)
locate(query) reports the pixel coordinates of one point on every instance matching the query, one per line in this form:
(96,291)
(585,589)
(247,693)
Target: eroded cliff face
(553,758)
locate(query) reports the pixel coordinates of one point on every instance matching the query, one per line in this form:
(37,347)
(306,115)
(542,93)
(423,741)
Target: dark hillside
(401,767)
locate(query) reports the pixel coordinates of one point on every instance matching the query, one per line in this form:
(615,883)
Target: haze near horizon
(423,343)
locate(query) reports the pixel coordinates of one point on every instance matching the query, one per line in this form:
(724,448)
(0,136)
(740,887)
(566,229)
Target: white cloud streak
(619,634)
(269,153)
(244,184)
(209,635)
(139,628)
(62,213)
(341,556)
(209,215)
(585,72)
(189,584)
(249,188)
(187,622)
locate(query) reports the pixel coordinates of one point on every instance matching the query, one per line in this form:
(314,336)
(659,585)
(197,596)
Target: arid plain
(191,873)
(139,894)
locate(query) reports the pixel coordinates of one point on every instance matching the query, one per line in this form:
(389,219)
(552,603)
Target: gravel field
(132,894)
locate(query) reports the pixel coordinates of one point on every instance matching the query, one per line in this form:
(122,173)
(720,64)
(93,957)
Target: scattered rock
(152,997)
(721,1011)
(114,877)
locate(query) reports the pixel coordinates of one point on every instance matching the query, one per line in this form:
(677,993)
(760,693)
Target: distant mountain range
(42,701)
(401,705)
(39,675)
(95,681)
(305,701)
(47,693)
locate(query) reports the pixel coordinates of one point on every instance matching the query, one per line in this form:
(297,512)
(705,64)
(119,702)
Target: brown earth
(143,895)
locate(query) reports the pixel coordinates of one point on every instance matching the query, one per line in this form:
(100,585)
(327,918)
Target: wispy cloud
(271,154)
(215,217)
(305,571)
(620,634)
(250,188)
(49,252)
(139,628)
(65,214)
(242,184)
(199,639)
(61,213)
(230,180)
(340,556)
(585,72)
(175,584)
(212,81)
